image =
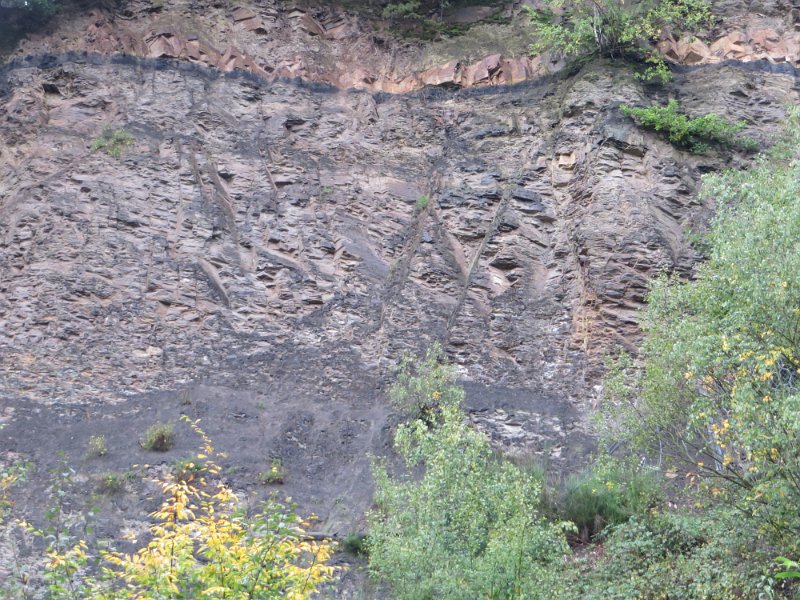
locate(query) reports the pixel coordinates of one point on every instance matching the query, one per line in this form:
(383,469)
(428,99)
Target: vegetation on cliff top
(615,29)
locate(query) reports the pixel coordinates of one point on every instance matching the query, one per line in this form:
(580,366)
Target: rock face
(264,252)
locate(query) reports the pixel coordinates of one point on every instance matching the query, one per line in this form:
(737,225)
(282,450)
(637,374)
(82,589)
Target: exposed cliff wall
(260,257)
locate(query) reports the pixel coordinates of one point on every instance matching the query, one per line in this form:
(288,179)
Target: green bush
(113,142)
(185,469)
(698,134)
(112,482)
(276,473)
(468,527)
(608,495)
(422,203)
(159,437)
(614,28)
(719,389)
(402,10)
(355,544)
(421,390)
(684,555)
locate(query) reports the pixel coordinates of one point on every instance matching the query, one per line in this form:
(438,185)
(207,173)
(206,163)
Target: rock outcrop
(331,45)
(266,249)
(260,257)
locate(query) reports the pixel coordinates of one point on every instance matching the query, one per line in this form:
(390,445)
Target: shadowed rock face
(260,257)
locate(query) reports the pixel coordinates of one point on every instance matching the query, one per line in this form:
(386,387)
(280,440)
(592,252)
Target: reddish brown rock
(515,70)
(734,45)
(164,44)
(480,72)
(692,53)
(446,74)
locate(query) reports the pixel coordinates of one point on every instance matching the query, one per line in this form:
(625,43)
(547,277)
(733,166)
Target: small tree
(421,390)
(469,526)
(614,28)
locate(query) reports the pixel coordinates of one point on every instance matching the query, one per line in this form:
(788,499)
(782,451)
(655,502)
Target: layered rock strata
(264,252)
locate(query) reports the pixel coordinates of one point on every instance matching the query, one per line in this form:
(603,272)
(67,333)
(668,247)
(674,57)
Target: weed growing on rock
(186,469)
(422,203)
(113,482)
(113,142)
(97,446)
(276,473)
(159,437)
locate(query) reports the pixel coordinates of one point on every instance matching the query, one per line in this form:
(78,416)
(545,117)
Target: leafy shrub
(686,555)
(402,10)
(614,28)
(112,482)
(422,390)
(159,437)
(97,445)
(468,527)
(10,475)
(696,134)
(422,203)
(113,142)
(186,469)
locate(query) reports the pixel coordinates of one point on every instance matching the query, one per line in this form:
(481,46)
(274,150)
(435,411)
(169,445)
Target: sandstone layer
(345,48)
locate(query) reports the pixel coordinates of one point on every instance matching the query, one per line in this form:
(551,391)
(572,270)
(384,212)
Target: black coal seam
(49,61)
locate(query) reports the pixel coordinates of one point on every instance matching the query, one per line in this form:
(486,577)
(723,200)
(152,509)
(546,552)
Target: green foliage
(720,385)
(422,203)
(186,469)
(608,495)
(113,482)
(422,390)
(159,437)
(97,446)
(402,10)
(355,544)
(687,556)
(696,134)
(792,568)
(469,527)
(113,142)
(614,28)
(276,473)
